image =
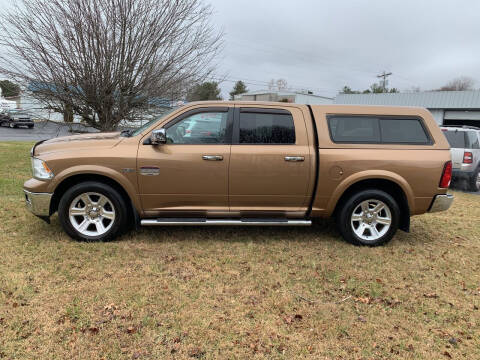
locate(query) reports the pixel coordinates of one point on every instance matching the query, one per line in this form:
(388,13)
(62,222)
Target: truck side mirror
(158,137)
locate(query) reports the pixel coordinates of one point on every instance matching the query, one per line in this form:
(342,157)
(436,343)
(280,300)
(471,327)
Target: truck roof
(400,109)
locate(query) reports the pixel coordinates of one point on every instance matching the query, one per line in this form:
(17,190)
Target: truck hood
(77,142)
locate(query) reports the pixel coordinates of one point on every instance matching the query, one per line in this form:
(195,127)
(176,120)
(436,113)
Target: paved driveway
(41,131)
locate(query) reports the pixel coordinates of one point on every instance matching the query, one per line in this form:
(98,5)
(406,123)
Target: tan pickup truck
(248,163)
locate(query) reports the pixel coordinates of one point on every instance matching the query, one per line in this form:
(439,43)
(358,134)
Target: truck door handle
(212,157)
(294,158)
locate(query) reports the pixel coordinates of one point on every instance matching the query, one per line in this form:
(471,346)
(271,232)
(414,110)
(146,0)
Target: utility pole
(384,81)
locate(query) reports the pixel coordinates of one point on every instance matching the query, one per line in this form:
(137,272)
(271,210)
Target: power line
(384,75)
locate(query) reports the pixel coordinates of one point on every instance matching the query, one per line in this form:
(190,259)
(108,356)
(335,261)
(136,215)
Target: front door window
(202,128)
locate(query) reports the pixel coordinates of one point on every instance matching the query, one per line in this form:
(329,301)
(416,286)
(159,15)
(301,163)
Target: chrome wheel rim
(92,214)
(371,220)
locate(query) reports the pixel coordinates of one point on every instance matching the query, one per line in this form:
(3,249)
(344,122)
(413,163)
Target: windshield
(151,122)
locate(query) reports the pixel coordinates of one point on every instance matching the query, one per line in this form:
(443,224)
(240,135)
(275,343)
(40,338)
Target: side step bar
(217,222)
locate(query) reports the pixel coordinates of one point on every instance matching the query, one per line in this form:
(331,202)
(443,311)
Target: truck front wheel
(92,211)
(369,217)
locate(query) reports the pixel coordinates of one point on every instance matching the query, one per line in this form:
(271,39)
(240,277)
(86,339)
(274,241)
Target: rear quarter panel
(417,169)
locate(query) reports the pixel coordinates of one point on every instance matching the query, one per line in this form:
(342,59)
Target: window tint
(402,131)
(456,139)
(374,130)
(202,128)
(354,129)
(264,128)
(473,142)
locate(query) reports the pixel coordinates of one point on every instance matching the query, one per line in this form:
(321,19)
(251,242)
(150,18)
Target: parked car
(270,164)
(3,117)
(465,148)
(16,118)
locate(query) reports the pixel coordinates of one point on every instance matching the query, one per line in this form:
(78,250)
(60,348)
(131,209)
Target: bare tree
(106,60)
(459,84)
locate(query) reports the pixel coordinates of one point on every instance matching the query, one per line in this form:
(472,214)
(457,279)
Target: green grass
(235,292)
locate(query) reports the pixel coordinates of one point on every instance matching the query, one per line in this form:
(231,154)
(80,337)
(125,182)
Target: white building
(447,107)
(6,104)
(285,96)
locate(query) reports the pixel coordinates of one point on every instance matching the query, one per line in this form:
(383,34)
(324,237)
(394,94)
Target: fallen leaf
(290,319)
(361,319)
(196,352)
(431,295)
(364,300)
(130,330)
(447,354)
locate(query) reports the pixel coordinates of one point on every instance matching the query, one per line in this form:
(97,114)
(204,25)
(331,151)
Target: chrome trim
(441,203)
(149,171)
(158,137)
(219,222)
(38,203)
(371,219)
(294,158)
(212,157)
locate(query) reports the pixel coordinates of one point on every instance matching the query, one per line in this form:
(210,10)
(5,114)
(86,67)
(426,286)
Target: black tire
(117,201)
(473,183)
(12,125)
(30,126)
(344,217)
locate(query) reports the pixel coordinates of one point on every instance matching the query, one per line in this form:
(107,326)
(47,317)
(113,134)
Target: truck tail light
(467,157)
(446,175)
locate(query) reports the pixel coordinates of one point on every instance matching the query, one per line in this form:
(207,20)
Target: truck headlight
(40,169)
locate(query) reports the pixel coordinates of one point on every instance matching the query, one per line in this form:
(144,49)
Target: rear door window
(266,128)
(473,142)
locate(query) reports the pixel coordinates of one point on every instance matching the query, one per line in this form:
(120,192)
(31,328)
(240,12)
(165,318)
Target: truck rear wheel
(369,217)
(92,211)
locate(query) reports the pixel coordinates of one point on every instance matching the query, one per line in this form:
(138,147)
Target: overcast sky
(323,45)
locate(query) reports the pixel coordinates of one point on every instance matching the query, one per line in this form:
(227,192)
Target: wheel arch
(68,181)
(387,184)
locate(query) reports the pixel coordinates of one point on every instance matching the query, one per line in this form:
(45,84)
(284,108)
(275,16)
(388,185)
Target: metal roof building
(447,107)
(285,96)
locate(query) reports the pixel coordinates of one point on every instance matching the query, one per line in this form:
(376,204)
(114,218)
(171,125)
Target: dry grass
(236,292)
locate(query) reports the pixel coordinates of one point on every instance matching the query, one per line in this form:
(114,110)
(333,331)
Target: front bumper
(38,203)
(441,203)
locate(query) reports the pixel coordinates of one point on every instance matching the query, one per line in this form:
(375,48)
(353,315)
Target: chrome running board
(217,222)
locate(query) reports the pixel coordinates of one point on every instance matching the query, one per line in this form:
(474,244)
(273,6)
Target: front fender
(112,174)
